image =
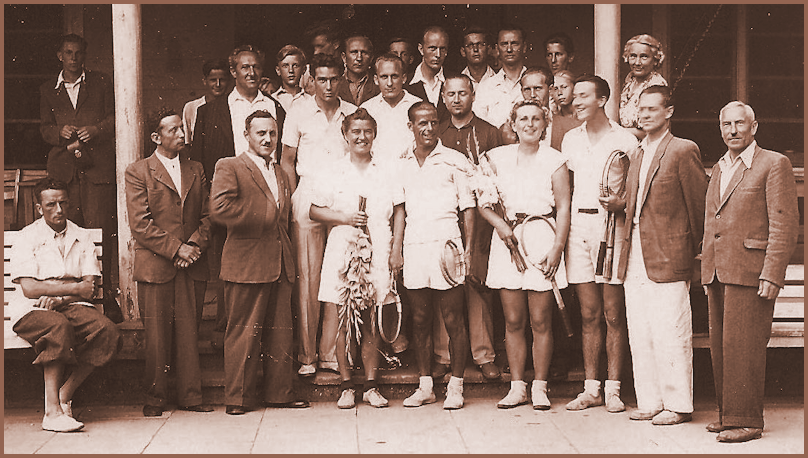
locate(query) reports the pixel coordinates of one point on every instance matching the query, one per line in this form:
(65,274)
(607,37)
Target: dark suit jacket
(257,229)
(95,107)
(213,133)
(750,233)
(671,210)
(162,219)
(369,90)
(418,90)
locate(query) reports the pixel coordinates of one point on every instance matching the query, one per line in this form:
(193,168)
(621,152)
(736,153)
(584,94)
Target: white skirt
(335,261)
(502,272)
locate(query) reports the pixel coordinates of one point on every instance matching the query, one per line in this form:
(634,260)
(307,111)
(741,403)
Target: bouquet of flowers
(357,292)
(485,189)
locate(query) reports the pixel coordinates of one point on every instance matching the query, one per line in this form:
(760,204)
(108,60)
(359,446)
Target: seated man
(55,264)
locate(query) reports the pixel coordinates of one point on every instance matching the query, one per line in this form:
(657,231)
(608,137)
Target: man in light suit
(78,120)
(253,201)
(666,185)
(750,232)
(167,201)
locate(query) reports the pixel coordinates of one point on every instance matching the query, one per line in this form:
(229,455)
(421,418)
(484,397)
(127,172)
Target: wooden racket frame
(379,313)
(603,266)
(562,308)
(445,269)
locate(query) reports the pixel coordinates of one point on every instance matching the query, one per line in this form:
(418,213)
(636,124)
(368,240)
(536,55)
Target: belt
(521,217)
(588,211)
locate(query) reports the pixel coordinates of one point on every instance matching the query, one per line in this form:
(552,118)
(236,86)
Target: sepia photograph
(404,228)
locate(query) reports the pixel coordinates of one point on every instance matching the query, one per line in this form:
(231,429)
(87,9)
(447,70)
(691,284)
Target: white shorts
(422,265)
(583,243)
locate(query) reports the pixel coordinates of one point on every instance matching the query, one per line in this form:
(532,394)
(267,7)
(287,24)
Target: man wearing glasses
(475,51)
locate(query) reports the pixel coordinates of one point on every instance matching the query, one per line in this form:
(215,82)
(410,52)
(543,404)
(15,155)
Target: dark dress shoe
(152,411)
(439,370)
(490,371)
(715,427)
(235,410)
(299,404)
(197,408)
(739,434)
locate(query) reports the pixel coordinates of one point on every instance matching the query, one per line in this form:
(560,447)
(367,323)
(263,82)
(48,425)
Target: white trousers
(660,334)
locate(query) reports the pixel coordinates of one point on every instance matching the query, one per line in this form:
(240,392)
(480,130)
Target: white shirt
(71,88)
(286,98)
(432,90)
(728,168)
(393,137)
(433,193)
(496,96)
(489,72)
(240,108)
(649,150)
(587,161)
(318,140)
(173,168)
(189,117)
(268,171)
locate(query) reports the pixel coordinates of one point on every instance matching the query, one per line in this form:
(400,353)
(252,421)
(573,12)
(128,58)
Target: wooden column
(126,50)
(607,53)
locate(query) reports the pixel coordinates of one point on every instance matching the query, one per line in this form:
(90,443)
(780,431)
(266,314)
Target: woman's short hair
(649,41)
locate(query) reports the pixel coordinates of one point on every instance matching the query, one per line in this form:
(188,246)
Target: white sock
(456,381)
(519,384)
(539,385)
(612,387)
(592,387)
(425,383)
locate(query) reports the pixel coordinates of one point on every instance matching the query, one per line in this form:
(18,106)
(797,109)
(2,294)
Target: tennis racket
(612,183)
(388,315)
(536,237)
(452,264)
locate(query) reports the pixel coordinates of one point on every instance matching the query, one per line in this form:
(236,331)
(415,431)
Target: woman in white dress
(532,179)
(336,204)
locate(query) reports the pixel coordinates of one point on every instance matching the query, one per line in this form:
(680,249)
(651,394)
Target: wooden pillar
(741,60)
(608,53)
(126,50)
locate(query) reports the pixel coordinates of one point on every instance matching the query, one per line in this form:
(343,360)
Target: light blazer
(213,133)
(161,219)
(750,233)
(257,229)
(671,210)
(95,107)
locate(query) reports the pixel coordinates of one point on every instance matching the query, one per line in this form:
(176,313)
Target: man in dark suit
(78,120)
(750,232)
(428,78)
(218,131)
(253,201)
(666,185)
(167,200)
(357,84)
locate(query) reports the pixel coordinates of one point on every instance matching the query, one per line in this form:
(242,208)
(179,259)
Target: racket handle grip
(562,309)
(601,258)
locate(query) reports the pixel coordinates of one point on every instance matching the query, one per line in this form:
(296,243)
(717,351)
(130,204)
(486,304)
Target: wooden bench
(788,327)
(12,290)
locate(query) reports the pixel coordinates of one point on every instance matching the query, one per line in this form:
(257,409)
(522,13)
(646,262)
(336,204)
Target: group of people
(309,201)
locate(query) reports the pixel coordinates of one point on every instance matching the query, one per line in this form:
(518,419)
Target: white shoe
(347,399)
(454,398)
(374,398)
(540,399)
(61,424)
(614,404)
(329,366)
(307,369)
(67,408)
(419,398)
(584,401)
(515,397)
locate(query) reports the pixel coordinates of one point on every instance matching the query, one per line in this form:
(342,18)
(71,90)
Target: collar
(343,105)
(489,72)
(166,161)
(503,78)
(410,152)
(647,147)
(259,161)
(61,79)
(236,96)
(746,156)
(361,80)
(70,232)
(418,76)
(281,90)
(447,124)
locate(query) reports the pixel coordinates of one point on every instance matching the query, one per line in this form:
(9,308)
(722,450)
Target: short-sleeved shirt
(318,141)
(433,193)
(489,72)
(587,161)
(496,96)
(393,137)
(630,97)
(286,99)
(240,108)
(525,187)
(36,255)
(463,139)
